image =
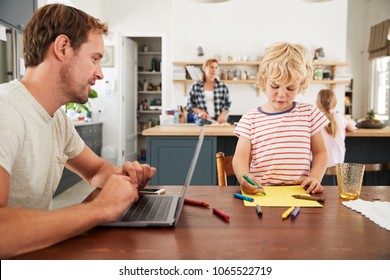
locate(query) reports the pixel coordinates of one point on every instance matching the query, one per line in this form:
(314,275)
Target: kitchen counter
(189,130)
(227,130)
(84,123)
(170,148)
(370,132)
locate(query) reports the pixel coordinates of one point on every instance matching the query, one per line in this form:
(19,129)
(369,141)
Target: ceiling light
(314,1)
(210,1)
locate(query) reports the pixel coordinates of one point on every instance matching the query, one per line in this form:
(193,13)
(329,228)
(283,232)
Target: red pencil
(221,214)
(195,202)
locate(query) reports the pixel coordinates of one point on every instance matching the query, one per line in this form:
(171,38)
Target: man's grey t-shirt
(34,146)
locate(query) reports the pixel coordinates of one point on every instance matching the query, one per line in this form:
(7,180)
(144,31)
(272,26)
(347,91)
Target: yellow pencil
(288,212)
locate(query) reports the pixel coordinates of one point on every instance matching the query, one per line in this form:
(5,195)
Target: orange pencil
(195,202)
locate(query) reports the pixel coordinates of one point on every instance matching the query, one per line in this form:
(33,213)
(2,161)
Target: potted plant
(82,108)
(370,121)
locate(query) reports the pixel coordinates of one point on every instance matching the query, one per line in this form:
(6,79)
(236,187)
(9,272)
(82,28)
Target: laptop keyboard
(149,208)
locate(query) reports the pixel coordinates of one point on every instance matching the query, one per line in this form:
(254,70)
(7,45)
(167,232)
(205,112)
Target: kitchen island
(170,149)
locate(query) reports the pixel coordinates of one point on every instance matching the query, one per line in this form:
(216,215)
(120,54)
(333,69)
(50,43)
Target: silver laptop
(159,210)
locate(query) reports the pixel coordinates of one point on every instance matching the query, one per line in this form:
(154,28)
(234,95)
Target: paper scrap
(376,211)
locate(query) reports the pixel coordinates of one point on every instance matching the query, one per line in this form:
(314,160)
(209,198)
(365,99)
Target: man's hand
(116,196)
(139,174)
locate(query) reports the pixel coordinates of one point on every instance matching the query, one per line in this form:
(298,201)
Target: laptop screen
(190,172)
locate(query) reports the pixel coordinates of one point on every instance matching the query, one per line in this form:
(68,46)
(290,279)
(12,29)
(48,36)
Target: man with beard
(63,47)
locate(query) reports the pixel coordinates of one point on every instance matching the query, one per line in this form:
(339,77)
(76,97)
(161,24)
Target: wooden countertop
(227,130)
(370,132)
(189,130)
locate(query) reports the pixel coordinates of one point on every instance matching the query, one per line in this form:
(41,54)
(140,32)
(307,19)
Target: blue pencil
(243,197)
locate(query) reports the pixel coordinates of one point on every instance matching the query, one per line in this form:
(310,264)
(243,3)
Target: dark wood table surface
(333,232)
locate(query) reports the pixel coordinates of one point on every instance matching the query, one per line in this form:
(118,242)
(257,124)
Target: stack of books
(194,72)
(342,77)
(179,73)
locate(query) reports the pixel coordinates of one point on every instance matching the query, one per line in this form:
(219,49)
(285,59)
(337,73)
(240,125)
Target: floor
(71,196)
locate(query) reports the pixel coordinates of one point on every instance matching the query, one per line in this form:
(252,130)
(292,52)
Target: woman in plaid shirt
(209,97)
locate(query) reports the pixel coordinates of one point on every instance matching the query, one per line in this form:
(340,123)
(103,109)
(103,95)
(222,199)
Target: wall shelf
(253,64)
(149,92)
(222,63)
(331,65)
(149,73)
(149,53)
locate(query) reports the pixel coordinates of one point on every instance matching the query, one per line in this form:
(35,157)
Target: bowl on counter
(371,124)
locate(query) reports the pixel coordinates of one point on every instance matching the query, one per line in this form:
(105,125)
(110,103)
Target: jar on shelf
(243,75)
(224,75)
(318,73)
(230,75)
(326,74)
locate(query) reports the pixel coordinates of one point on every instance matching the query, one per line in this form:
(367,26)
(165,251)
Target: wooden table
(333,232)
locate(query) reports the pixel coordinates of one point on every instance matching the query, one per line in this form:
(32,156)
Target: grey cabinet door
(17,12)
(172,157)
(92,136)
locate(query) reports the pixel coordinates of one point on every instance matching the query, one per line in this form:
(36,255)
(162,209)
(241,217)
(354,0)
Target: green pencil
(249,180)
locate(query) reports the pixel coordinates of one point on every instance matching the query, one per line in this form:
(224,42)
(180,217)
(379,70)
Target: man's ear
(61,46)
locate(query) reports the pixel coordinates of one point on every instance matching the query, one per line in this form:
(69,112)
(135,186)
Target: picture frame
(108,57)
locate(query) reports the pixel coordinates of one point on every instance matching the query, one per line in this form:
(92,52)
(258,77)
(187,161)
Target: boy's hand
(249,188)
(310,184)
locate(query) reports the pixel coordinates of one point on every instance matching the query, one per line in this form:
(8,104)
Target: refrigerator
(11,53)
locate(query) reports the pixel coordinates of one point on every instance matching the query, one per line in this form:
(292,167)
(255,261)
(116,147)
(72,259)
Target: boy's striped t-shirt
(281,142)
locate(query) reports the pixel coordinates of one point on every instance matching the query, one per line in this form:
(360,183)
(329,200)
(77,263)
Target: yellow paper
(281,196)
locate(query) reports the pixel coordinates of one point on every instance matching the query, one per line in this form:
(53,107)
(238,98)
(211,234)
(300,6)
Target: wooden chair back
(224,168)
(369,167)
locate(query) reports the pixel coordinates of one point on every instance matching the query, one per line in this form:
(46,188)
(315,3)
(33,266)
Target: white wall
(247,27)
(241,28)
(356,52)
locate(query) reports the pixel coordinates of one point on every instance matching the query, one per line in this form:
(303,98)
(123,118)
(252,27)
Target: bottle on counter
(176,117)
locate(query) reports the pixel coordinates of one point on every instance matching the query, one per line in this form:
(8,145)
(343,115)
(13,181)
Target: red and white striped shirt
(280,142)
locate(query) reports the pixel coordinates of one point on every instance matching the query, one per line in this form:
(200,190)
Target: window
(380,87)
